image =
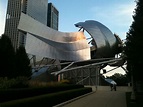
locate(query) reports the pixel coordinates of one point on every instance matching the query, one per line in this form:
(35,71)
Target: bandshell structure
(106,43)
(46,42)
(68,46)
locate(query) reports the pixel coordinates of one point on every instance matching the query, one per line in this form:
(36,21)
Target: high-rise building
(34,8)
(53,16)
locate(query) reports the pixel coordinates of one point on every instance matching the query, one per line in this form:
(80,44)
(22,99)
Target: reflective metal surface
(44,41)
(106,43)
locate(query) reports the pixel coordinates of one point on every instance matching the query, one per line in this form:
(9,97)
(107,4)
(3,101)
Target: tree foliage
(120,79)
(7,57)
(134,45)
(13,64)
(22,63)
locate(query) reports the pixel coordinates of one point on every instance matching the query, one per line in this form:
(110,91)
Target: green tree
(120,79)
(134,43)
(7,57)
(23,67)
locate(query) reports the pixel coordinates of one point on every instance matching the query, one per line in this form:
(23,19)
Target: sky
(114,14)
(3,7)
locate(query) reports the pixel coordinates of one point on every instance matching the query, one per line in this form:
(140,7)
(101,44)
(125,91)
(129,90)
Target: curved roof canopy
(105,41)
(72,46)
(46,42)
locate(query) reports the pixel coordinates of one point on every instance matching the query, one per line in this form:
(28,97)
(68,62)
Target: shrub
(19,82)
(13,94)
(41,84)
(47,100)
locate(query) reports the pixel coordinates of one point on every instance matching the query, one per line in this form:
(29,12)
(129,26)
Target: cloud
(115,13)
(118,17)
(126,9)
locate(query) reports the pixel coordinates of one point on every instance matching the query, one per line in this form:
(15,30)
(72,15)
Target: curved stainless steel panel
(44,41)
(106,43)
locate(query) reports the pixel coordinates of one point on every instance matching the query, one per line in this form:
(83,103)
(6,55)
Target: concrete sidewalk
(101,99)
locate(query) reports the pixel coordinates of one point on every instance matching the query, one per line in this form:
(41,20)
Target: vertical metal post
(89,75)
(34,60)
(97,76)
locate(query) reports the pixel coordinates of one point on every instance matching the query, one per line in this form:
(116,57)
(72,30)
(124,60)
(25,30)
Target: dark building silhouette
(53,17)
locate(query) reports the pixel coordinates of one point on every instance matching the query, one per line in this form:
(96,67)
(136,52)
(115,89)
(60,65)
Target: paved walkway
(101,98)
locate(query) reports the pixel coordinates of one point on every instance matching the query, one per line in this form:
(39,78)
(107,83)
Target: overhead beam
(88,65)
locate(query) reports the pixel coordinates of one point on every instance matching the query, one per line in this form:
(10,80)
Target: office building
(53,16)
(37,9)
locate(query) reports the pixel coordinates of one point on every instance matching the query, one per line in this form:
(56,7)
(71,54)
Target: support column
(97,70)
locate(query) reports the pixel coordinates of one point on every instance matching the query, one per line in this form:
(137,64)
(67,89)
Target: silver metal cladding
(106,43)
(44,41)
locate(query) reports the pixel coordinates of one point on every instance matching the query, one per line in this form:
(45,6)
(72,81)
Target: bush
(47,100)
(13,94)
(43,84)
(19,82)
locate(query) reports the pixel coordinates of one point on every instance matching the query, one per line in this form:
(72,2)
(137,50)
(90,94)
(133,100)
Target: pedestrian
(111,85)
(114,85)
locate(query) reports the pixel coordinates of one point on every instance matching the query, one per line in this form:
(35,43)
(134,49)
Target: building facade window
(35,8)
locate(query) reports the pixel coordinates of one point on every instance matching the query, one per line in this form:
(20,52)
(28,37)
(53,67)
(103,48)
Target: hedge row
(13,94)
(47,100)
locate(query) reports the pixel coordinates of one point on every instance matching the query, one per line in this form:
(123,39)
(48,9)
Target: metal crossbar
(88,65)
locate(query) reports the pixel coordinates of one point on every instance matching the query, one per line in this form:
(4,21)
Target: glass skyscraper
(37,9)
(53,16)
